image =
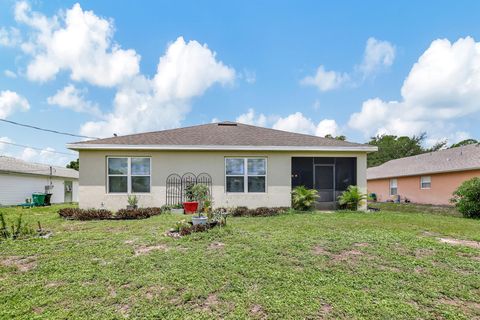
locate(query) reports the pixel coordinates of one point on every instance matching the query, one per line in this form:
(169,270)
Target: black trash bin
(48,196)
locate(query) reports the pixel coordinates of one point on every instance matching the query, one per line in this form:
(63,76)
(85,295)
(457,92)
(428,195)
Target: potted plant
(201,194)
(132,202)
(177,209)
(191,205)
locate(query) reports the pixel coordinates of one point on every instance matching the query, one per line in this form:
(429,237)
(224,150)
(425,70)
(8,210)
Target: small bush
(351,198)
(303,199)
(258,212)
(139,213)
(467,198)
(16,230)
(85,214)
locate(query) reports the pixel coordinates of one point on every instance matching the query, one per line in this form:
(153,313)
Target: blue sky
(346,67)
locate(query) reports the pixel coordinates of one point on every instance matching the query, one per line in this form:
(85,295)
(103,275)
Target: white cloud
(378,54)
(443,85)
(326,80)
(295,122)
(76,41)
(252,118)
(9,37)
(10,74)
(45,156)
(186,70)
(10,102)
(327,126)
(72,98)
(4,139)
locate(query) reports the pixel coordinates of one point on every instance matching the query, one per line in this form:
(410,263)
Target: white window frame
(128,175)
(393,186)
(425,182)
(246,175)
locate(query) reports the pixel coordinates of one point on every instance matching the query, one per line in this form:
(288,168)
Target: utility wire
(39,149)
(47,130)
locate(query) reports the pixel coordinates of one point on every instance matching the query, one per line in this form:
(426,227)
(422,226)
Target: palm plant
(303,199)
(351,198)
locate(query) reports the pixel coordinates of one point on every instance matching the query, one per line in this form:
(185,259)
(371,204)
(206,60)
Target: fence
(177,185)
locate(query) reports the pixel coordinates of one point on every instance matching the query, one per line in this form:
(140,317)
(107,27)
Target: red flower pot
(190,207)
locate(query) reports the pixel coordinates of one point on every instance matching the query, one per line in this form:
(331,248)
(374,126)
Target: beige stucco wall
(92,189)
(440,192)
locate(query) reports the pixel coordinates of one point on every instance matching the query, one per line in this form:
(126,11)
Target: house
(243,165)
(428,178)
(19,179)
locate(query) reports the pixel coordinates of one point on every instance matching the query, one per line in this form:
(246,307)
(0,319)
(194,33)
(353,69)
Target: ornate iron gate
(176,186)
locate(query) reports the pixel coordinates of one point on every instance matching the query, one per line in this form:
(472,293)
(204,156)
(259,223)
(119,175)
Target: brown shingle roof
(220,134)
(455,159)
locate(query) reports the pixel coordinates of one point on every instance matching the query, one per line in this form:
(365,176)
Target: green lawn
(310,265)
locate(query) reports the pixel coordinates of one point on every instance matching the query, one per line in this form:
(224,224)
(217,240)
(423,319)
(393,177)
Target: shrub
(351,198)
(303,199)
(139,213)
(258,212)
(85,214)
(467,198)
(16,230)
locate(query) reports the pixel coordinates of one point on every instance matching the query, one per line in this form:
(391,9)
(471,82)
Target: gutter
(84,146)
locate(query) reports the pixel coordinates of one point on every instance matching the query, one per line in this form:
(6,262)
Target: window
(245,174)
(128,175)
(425,182)
(393,187)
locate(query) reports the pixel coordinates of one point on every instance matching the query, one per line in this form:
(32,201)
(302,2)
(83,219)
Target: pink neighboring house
(428,178)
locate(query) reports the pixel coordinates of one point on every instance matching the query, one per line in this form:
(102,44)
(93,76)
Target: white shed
(19,179)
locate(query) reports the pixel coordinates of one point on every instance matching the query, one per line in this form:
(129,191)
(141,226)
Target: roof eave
(84,146)
(422,173)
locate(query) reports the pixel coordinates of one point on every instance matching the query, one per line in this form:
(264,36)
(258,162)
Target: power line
(39,149)
(47,130)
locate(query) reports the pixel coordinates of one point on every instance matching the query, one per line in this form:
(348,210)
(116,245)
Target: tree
(392,147)
(342,137)
(464,143)
(75,165)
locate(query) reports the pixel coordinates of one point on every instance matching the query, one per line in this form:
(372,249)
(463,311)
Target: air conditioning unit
(49,188)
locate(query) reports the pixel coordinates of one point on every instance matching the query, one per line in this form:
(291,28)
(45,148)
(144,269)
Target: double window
(393,187)
(128,174)
(425,182)
(245,174)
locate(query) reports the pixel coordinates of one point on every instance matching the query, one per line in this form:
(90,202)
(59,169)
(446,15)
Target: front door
(68,191)
(325,182)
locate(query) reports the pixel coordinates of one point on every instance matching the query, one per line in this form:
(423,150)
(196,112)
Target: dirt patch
(424,252)
(257,311)
(361,244)
(131,241)
(210,302)
(141,250)
(153,292)
(38,310)
(320,251)
(23,264)
(346,255)
(54,284)
(124,310)
(325,309)
(216,245)
(459,242)
(466,306)
(112,292)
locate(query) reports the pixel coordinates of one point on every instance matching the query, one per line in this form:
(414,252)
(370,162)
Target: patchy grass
(310,265)
(417,208)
